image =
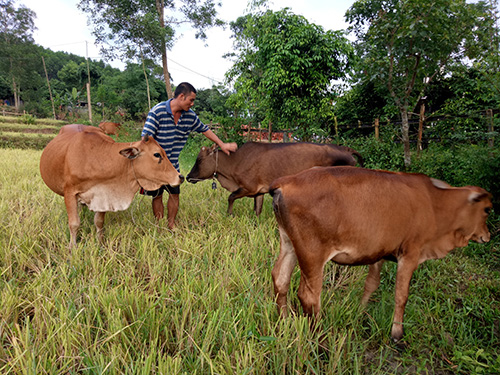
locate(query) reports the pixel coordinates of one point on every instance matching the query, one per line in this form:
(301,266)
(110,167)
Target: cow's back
(269,161)
(72,142)
(350,202)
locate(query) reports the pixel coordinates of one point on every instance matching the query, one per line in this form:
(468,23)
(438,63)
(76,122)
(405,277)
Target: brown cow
(110,128)
(84,165)
(357,216)
(249,171)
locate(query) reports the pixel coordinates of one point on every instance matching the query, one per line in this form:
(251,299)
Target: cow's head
(205,165)
(150,165)
(472,218)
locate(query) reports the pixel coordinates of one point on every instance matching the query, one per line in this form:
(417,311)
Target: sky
(61,26)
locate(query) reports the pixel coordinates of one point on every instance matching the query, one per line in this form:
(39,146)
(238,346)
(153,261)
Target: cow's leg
(311,279)
(158,207)
(240,193)
(99,224)
(257,204)
(73,218)
(372,280)
(172,209)
(406,267)
(309,293)
(282,271)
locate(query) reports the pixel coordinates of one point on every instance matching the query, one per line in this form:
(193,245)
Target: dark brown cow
(110,128)
(249,171)
(356,216)
(84,165)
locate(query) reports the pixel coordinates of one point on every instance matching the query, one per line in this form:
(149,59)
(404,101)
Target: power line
(195,72)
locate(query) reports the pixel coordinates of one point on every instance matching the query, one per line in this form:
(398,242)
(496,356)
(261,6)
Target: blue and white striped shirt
(161,126)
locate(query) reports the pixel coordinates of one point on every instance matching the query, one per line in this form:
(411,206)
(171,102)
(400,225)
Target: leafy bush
(385,153)
(462,165)
(27,119)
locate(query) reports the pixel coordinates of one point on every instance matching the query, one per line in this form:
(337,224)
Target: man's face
(187,101)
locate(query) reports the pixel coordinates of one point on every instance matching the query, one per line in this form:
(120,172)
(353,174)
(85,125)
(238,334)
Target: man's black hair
(184,88)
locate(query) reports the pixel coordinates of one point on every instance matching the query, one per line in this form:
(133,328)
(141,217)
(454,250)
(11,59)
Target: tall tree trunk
(160,7)
(166,74)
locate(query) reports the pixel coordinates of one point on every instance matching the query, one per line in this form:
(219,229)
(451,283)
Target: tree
(210,104)
(405,44)
(140,29)
(285,67)
(16,42)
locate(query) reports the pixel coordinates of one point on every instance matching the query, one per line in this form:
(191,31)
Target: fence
(421,128)
(10,111)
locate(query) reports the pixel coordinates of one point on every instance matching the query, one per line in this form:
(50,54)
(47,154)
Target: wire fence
(478,125)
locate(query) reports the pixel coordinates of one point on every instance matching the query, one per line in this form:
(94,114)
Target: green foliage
(27,119)
(403,45)
(462,165)
(284,69)
(210,104)
(141,31)
(385,153)
(362,103)
(16,48)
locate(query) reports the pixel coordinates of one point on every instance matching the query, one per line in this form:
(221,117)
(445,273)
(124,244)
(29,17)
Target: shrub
(28,119)
(462,165)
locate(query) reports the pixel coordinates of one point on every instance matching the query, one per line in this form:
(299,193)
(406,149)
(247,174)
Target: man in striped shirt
(170,123)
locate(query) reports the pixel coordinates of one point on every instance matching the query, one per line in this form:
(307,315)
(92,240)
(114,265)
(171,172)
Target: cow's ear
(212,149)
(477,196)
(130,152)
(440,184)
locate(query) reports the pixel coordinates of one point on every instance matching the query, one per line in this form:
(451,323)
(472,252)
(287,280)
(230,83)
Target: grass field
(199,300)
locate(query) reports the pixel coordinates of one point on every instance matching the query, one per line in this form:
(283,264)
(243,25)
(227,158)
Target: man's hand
(227,148)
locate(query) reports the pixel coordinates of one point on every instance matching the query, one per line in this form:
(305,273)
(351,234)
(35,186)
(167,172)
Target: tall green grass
(199,300)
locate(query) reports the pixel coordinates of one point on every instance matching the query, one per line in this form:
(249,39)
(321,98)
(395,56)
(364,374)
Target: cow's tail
(278,202)
(354,153)
(358,156)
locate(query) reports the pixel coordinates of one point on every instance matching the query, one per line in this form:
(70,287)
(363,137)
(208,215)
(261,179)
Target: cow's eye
(158,155)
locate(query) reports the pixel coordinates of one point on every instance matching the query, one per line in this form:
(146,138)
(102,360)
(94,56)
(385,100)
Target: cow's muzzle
(192,179)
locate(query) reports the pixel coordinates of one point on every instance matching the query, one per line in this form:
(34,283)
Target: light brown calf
(86,166)
(356,216)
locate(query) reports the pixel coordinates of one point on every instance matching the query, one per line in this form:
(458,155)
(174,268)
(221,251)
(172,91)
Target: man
(170,123)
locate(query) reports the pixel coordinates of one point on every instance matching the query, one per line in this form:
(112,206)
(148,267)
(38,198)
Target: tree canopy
(404,45)
(16,43)
(145,29)
(285,67)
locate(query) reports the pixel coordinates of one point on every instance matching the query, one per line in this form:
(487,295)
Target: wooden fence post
(376,129)
(270,137)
